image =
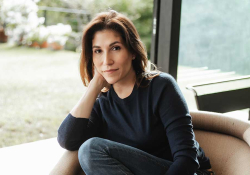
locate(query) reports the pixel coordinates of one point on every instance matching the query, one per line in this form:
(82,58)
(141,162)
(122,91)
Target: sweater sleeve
(74,131)
(176,119)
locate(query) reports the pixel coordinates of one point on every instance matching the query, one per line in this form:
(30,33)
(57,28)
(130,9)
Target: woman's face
(111,57)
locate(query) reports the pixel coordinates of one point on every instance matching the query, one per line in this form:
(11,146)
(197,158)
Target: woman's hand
(99,80)
(85,105)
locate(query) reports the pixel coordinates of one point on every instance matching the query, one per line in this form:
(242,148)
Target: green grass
(38,88)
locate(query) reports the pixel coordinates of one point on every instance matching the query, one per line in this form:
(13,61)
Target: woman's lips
(110,71)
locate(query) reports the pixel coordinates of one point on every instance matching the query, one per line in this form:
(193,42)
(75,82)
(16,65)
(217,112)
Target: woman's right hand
(99,81)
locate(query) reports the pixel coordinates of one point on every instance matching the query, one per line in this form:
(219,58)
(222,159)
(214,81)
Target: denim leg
(101,156)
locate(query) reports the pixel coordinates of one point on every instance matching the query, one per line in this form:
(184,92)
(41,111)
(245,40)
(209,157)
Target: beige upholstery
(225,141)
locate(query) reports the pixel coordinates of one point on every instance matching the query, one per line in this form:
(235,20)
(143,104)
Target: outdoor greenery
(38,88)
(23,26)
(140,12)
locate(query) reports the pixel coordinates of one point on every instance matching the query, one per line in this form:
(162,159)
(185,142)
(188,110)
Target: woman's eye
(116,48)
(97,51)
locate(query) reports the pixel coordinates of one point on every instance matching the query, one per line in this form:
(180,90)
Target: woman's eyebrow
(96,47)
(113,43)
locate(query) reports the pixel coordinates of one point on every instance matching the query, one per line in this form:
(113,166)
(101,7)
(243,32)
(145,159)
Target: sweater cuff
(183,166)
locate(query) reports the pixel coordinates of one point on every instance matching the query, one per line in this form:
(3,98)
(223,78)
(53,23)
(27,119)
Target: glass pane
(214,43)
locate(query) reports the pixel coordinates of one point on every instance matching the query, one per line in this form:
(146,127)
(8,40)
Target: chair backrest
(225,141)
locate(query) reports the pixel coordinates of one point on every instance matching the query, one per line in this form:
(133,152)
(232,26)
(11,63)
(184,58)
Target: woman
(129,121)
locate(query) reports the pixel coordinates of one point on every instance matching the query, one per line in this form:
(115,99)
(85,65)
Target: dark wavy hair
(115,21)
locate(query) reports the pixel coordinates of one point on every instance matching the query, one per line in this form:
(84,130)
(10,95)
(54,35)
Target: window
(214,42)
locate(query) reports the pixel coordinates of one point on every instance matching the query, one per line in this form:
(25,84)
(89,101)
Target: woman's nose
(107,60)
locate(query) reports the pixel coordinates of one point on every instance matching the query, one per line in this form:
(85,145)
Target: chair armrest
(216,122)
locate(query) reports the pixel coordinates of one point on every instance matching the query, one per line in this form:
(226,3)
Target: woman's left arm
(176,119)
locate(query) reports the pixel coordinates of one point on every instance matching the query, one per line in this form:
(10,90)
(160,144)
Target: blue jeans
(101,156)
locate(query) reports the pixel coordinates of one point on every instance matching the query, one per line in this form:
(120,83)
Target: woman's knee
(89,150)
(89,147)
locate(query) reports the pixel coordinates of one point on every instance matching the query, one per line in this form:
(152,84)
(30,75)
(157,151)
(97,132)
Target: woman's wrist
(95,86)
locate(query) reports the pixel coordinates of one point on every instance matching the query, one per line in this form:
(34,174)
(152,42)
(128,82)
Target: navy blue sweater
(154,119)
